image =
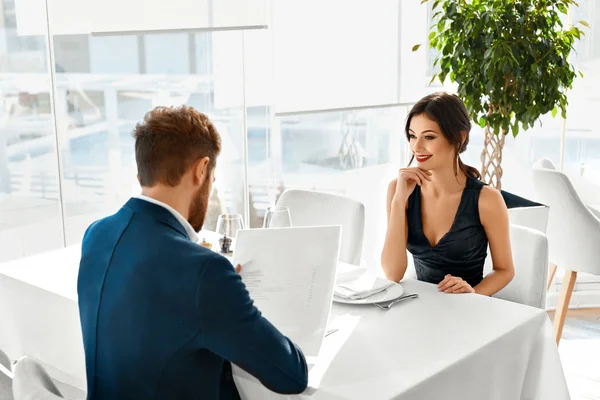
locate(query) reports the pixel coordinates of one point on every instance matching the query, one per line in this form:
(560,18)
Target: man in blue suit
(163,317)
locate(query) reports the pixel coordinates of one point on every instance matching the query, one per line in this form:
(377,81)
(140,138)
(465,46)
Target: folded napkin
(365,286)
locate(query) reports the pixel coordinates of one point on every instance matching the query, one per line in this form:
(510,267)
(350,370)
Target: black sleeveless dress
(460,252)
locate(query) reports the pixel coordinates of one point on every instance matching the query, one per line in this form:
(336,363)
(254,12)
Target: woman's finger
(414,176)
(443,282)
(465,288)
(421,176)
(425,174)
(451,282)
(456,286)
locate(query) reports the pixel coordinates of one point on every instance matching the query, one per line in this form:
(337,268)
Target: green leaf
(585,24)
(442,76)
(562,8)
(515,129)
(488,53)
(432,34)
(554,112)
(416,47)
(580,74)
(508,58)
(433,78)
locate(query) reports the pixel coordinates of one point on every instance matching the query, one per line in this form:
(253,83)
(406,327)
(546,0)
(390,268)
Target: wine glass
(277,217)
(227,227)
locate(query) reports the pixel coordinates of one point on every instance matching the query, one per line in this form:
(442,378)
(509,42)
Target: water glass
(227,227)
(277,217)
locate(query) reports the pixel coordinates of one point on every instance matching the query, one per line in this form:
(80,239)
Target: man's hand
(238,268)
(454,284)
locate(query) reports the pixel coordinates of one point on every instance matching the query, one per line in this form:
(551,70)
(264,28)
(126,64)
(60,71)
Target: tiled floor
(580,353)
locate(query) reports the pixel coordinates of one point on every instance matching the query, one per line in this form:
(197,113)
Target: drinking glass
(277,217)
(227,227)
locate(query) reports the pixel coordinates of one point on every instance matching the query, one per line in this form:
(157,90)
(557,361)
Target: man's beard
(199,206)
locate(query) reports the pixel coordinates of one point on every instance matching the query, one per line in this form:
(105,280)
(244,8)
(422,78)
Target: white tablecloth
(436,346)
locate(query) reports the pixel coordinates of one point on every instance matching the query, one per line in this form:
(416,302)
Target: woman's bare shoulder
(491,201)
(392,185)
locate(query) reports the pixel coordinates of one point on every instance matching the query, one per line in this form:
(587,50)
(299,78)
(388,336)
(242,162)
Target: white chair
(32,382)
(544,163)
(310,208)
(4,360)
(594,211)
(525,212)
(573,233)
(530,217)
(530,256)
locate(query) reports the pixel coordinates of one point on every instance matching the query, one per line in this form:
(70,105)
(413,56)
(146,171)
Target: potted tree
(510,61)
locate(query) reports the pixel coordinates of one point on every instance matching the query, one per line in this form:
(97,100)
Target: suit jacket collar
(157,212)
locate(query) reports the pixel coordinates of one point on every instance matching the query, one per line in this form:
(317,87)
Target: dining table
(434,346)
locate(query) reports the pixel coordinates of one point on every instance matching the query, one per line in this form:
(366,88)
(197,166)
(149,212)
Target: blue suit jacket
(163,317)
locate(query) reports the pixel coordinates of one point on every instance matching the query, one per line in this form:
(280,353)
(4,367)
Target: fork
(329,332)
(390,304)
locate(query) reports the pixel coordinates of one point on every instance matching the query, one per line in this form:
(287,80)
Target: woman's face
(429,146)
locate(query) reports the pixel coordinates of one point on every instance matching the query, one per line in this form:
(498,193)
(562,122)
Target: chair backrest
(530,256)
(32,382)
(310,208)
(595,211)
(525,212)
(530,217)
(544,163)
(4,360)
(573,230)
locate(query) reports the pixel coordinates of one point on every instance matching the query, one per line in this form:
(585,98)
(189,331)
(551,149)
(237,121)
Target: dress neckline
(458,212)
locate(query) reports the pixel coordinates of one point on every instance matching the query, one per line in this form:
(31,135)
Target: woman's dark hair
(451,115)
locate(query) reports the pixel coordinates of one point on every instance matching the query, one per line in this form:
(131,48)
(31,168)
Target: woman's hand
(454,284)
(408,179)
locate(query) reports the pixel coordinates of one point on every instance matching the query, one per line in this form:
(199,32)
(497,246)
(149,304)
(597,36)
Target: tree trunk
(491,158)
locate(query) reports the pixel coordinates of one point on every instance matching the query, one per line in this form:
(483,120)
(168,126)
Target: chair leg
(563,303)
(551,275)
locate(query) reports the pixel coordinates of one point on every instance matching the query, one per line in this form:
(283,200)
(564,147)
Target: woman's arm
(393,256)
(494,218)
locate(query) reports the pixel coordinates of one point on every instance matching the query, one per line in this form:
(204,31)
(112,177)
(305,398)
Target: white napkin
(367,285)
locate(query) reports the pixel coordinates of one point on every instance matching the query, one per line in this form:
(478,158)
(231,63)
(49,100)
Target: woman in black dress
(441,211)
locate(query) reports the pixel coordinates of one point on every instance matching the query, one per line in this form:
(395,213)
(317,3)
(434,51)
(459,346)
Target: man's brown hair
(169,140)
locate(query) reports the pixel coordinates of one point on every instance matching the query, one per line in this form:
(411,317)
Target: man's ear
(201,170)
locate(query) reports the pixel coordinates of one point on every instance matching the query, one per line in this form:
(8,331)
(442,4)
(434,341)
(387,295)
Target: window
(97,113)
(30,208)
(582,143)
(353,153)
